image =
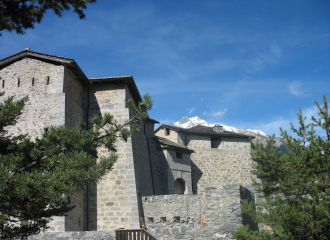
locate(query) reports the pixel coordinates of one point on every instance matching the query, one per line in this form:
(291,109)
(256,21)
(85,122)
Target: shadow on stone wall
(94,110)
(196,175)
(249,195)
(92,207)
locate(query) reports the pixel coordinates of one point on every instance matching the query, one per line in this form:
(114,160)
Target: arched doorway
(179,186)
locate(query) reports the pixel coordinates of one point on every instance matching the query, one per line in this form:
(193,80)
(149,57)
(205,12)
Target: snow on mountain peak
(186,122)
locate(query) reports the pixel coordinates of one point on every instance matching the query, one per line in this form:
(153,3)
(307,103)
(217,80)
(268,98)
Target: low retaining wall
(76,235)
(214,214)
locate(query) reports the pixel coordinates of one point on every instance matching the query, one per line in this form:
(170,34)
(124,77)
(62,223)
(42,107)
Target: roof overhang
(167,144)
(128,80)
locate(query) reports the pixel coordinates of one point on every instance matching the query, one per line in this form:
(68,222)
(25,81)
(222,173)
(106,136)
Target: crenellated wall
(181,217)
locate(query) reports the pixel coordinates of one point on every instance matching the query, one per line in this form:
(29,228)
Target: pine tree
(295,186)
(37,175)
(19,15)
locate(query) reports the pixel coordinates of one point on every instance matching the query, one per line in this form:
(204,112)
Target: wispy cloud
(261,58)
(273,127)
(317,69)
(217,114)
(191,110)
(202,99)
(204,113)
(295,88)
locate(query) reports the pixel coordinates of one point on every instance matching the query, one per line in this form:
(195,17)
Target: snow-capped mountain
(186,122)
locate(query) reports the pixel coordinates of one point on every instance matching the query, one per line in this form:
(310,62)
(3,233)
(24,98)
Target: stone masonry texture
(143,187)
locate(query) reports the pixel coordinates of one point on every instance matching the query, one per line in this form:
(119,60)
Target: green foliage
(295,186)
(19,15)
(38,175)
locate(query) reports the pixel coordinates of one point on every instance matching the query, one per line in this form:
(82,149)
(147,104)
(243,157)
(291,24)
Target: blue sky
(245,64)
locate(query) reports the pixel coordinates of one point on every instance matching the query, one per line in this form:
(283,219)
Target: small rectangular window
(150,220)
(162,219)
(3,83)
(18,82)
(178,155)
(47,80)
(176,218)
(167,131)
(32,81)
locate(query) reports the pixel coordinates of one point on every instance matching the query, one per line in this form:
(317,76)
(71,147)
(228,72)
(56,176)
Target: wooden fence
(133,234)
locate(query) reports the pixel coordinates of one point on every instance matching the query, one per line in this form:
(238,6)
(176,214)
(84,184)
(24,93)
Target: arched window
(179,186)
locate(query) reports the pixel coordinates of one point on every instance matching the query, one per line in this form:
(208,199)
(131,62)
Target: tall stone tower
(60,94)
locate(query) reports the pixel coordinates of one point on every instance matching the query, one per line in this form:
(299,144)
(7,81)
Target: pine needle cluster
(295,186)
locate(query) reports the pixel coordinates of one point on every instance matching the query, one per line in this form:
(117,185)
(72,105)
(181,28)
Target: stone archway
(179,186)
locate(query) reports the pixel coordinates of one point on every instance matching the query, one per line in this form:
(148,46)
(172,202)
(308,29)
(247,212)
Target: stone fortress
(175,182)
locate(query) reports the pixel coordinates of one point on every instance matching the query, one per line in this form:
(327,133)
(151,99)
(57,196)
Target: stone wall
(173,136)
(142,164)
(109,235)
(45,107)
(156,165)
(234,144)
(43,83)
(181,216)
(215,167)
(31,77)
(198,142)
(113,202)
(173,168)
(76,100)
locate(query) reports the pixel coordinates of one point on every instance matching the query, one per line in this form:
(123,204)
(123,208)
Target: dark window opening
(162,219)
(178,155)
(18,82)
(215,142)
(47,80)
(3,83)
(150,220)
(176,218)
(32,81)
(167,131)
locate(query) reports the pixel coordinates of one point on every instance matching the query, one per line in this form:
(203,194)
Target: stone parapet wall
(168,211)
(185,216)
(109,235)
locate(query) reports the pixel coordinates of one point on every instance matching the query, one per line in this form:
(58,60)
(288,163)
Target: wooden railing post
(133,234)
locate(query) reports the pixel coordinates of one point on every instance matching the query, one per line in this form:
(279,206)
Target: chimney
(218,128)
(27,49)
